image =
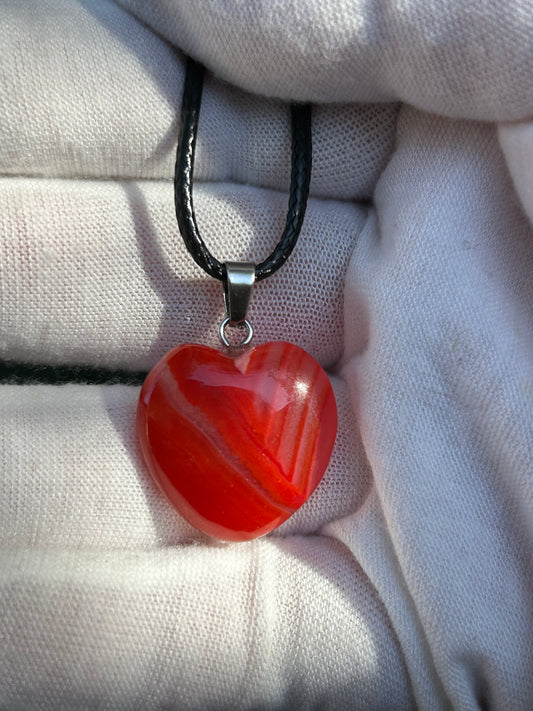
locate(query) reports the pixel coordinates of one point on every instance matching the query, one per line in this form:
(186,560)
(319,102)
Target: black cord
(183,179)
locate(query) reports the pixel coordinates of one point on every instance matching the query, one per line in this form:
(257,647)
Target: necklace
(237,439)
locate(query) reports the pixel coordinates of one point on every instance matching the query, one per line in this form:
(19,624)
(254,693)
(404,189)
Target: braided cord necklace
(237,440)
(183,176)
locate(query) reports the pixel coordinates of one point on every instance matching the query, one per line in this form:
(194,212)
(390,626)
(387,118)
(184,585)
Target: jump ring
(222,333)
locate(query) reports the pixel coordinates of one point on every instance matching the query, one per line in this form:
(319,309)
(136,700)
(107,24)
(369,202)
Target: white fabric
(405,582)
(112,283)
(462,59)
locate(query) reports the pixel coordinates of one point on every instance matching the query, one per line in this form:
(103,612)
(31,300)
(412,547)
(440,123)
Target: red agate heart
(237,442)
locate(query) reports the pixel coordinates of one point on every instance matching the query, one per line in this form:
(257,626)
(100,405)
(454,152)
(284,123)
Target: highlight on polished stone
(237,441)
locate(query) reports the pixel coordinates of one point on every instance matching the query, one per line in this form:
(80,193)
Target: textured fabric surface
(462,59)
(405,581)
(112,283)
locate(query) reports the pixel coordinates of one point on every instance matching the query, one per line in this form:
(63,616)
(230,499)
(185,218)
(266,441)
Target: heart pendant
(237,442)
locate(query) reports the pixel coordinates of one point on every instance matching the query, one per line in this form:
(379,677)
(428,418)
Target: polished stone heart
(237,442)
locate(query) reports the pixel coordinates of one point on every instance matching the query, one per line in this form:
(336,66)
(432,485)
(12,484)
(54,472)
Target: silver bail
(238,285)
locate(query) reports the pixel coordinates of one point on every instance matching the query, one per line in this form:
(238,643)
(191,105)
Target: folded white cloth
(405,581)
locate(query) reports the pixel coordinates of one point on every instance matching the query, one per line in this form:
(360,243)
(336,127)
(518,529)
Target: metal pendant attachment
(238,286)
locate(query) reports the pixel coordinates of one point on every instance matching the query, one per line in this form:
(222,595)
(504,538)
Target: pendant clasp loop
(245,341)
(238,285)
